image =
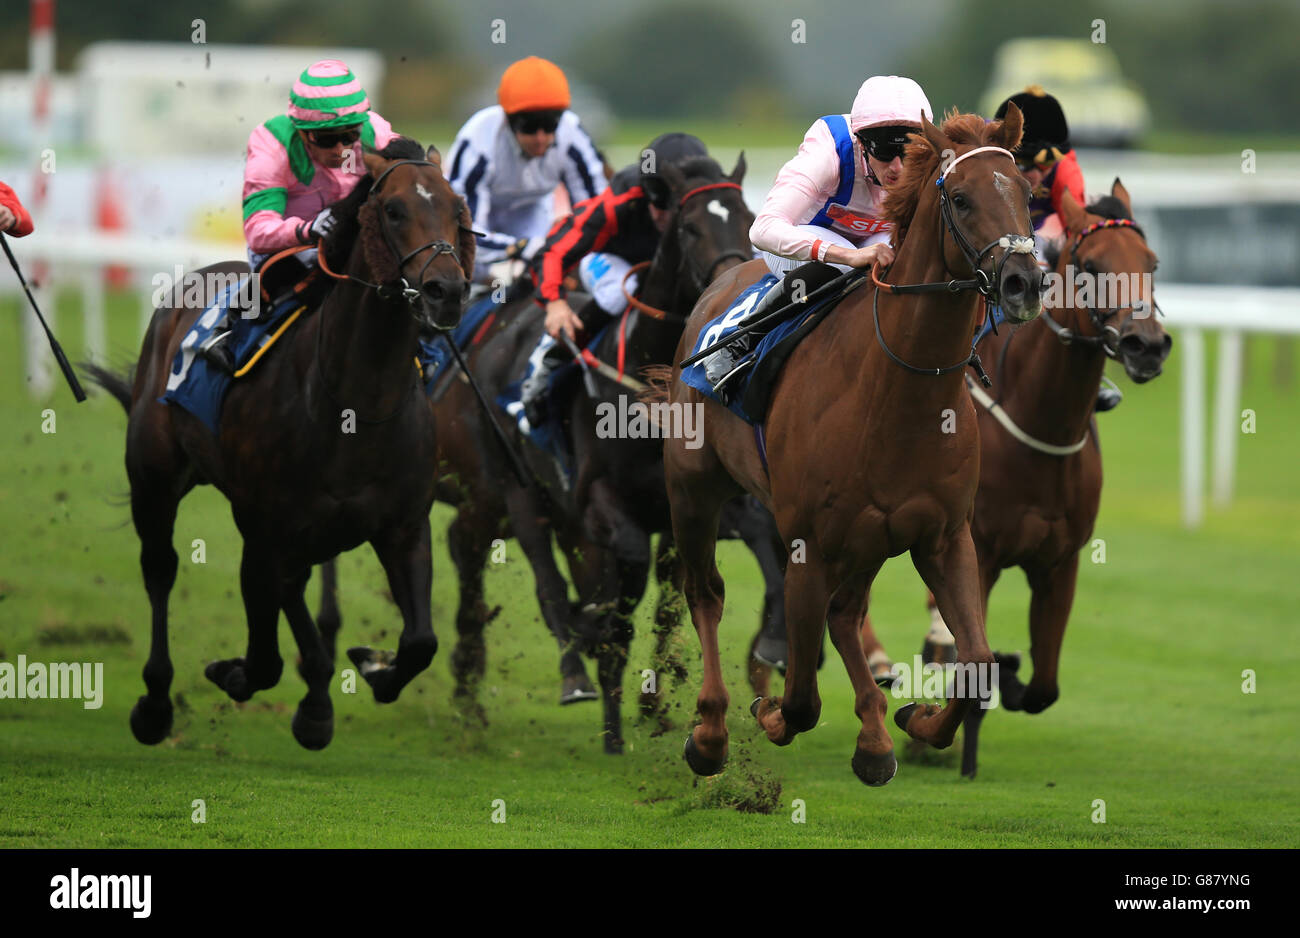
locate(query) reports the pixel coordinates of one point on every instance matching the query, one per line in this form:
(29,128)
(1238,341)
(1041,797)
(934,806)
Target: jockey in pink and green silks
(301,162)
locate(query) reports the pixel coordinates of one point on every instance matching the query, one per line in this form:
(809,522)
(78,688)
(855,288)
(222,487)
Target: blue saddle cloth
(435,354)
(724,325)
(550,436)
(194,383)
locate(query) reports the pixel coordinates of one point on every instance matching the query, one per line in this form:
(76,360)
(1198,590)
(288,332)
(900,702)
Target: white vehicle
(1101,107)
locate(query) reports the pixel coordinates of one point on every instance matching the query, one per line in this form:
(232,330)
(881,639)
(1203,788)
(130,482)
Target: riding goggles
(328,139)
(885,143)
(530,122)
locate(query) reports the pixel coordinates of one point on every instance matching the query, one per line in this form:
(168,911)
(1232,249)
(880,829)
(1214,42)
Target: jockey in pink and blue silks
(826,205)
(298,164)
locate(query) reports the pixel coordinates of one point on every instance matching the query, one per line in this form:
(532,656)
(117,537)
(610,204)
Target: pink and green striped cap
(327,94)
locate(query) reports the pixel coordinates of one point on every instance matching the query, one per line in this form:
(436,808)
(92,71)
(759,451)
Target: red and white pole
(40,65)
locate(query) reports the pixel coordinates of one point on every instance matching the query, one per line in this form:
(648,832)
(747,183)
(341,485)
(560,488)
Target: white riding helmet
(889,101)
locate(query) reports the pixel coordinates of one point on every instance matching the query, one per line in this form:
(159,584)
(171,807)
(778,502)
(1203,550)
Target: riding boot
(218,353)
(1108,399)
(722,364)
(532,393)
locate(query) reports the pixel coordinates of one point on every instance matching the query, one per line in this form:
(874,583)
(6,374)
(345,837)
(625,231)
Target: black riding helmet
(1046,135)
(673,148)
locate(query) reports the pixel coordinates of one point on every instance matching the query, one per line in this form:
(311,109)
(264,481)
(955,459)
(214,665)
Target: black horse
(326,445)
(618,499)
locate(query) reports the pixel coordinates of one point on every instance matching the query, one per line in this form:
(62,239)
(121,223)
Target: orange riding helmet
(533,84)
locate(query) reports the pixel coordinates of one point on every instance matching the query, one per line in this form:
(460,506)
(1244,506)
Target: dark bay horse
(860,467)
(618,496)
(1040,477)
(325,446)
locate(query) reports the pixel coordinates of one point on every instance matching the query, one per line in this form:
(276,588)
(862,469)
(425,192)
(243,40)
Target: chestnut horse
(859,467)
(1040,483)
(326,445)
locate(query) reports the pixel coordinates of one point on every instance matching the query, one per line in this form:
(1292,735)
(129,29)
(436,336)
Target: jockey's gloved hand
(320,227)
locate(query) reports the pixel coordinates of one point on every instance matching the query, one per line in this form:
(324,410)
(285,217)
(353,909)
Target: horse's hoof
(576,687)
(231,677)
(1008,661)
(884,674)
(151,722)
(902,715)
(1036,701)
(700,763)
(613,747)
(771,652)
(313,732)
(753,707)
(874,770)
(376,667)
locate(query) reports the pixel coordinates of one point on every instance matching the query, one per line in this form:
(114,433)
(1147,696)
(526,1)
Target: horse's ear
(1075,218)
(673,176)
(375,163)
(934,136)
(1013,125)
(1118,191)
(738,174)
(466,243)
(434,157)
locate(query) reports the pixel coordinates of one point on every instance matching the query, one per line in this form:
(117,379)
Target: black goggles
(328,139)
(884,147)
(529,122)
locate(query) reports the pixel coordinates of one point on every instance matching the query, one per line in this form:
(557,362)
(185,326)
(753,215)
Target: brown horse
(1040,477)
(859,466)
(325,446)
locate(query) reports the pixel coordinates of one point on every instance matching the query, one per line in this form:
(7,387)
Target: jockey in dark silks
(604,237)
(1047,161)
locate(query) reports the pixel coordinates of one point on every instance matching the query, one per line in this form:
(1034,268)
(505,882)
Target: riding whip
(55,347)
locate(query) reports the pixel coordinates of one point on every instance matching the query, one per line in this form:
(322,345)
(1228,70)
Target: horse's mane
(921,161)
(701,167)
(350,222)
(1107,206)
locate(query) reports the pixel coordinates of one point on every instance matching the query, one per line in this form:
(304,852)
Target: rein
(664,315)
(1104,332)
(983,283)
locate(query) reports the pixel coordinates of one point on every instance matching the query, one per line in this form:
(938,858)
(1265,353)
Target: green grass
(1152,718)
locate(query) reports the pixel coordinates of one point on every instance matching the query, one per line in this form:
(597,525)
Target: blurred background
(125,126)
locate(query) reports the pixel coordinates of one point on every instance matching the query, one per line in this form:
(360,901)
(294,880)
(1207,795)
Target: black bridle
(1105,332)
(401,287)
(982,282)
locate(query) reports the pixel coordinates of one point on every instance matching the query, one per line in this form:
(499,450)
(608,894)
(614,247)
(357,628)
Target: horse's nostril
(1132,346)
(1014,286)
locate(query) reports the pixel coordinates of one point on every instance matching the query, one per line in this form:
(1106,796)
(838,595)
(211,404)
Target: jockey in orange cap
(508,159)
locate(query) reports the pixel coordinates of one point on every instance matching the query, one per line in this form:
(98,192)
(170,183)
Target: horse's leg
(259,582)
(612,652)
(534,537)
(313,722)
(873,761)
(939,645)
(666,620)
(329,619)
(878,660)
(154,498)
(759,532)
(695,529)
(405,556)
(807,595)
(989,573)
(468,542)
(952,574)
(1049,612)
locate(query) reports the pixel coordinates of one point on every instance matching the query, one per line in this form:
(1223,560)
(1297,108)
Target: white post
(40,58)
(92,304)
(1227,416)
(1192,355)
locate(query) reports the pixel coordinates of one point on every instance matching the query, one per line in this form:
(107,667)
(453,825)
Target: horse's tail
(117,385)
(658,384)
